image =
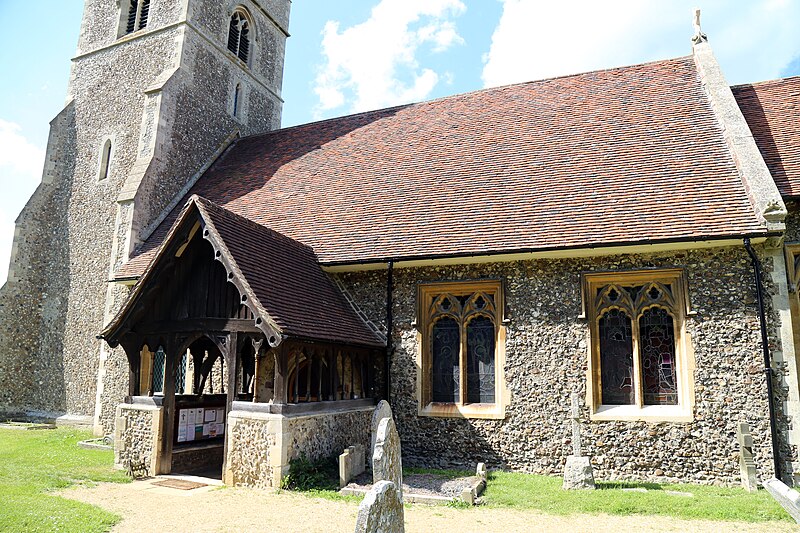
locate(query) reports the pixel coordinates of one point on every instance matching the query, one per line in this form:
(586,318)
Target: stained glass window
(445,360)
(657,339)
(480,359)
(616,358)
(636,332)
(462,346)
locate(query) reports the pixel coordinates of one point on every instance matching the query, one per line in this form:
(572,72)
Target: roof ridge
(774,81)
(253,223)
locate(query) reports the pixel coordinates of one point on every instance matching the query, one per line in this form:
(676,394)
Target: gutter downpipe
(389,328)
(773,426)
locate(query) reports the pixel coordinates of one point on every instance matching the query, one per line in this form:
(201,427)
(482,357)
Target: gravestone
(351,464)
(480,471)
(382,410)
(578,472)
(381,511)
(746,464)
(387,464)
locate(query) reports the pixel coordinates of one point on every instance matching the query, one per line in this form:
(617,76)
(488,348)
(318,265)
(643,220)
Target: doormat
(180,484)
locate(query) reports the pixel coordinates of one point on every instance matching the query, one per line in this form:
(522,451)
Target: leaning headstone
(351,464)
(381,511)
(481,471)
(387,464)
(382,410)
(746,464)
(578,472)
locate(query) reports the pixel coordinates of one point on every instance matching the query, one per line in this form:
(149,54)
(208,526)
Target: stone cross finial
(699,36)
(576,426)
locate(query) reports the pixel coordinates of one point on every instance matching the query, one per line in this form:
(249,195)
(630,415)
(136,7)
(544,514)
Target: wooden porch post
(281,355)
(171,347)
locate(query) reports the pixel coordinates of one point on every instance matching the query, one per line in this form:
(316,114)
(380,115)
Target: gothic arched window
(237,98)
(239,35)
(462,349)
(105,161)
(639,366)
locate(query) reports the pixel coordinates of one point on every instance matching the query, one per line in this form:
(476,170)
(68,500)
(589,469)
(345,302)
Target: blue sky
(354,55)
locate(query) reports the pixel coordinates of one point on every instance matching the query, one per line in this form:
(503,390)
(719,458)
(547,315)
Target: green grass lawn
(543,493)
(34,463)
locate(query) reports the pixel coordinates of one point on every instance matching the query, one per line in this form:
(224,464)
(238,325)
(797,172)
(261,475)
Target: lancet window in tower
(138,13)
(237,95)
(105,161)
(239,35)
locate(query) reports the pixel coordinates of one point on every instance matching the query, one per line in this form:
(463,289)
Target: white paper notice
(206,430)
(211,415)
(182,418)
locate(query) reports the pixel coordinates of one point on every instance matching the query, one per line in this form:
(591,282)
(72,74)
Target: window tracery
(239,35)
(461,333)
(638,341)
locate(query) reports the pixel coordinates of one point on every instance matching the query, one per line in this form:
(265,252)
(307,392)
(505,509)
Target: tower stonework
(156,92)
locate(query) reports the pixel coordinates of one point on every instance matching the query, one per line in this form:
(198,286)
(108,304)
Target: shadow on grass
(618,485)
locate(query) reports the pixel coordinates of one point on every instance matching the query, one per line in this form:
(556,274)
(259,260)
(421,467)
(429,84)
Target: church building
(222,294)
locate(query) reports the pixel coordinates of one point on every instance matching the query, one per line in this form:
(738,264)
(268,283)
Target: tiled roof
(772,109)
(620,156)
(281,279)
(287,280)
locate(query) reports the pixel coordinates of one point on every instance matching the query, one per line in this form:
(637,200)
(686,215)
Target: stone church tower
(158,89)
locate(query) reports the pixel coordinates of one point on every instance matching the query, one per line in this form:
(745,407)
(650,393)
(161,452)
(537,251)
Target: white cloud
(17,153)
(20,172)
(374,64)
(535,40)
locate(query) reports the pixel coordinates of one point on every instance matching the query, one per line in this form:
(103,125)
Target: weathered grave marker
(351,464)
(578,469)
(746,464)
(381,511)
(387,464)
(382,410)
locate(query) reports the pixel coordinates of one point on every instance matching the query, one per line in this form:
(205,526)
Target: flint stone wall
(261,445)
(546,361)
(324,435)
(250,443)
(138,432)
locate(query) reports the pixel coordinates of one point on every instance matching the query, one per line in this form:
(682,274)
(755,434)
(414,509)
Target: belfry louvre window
(137,15)
(239,35)
(640,363)
(462,350)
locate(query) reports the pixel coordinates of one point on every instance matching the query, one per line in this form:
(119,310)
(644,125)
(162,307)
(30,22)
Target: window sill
(491,411)
(649,413)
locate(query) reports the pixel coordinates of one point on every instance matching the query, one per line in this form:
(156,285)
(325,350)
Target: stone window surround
(243,12)
(124,11)
(425,294)
(105,158)
(684,353)
(237,107)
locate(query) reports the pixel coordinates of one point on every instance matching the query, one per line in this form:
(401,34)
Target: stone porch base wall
(261,445)
(137,438)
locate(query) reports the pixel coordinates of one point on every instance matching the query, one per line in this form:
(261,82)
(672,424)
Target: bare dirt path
(146,508)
